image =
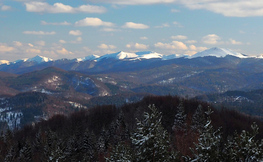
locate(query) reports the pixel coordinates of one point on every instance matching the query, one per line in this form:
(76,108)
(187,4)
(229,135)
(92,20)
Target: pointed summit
(39,59)
(132,56)
(120,55)
(218,52)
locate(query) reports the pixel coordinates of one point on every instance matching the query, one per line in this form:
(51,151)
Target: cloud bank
(229,8)
(43,7)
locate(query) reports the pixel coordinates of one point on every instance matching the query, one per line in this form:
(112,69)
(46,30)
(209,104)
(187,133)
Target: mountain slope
(222,71)
(218,52)
(39,59)
(58,82)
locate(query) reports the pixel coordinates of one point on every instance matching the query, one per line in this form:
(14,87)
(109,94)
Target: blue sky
(73,29)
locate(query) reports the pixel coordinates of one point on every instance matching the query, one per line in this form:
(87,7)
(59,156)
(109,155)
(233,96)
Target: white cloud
(91,21)
(75,32)
(193,50)
(5,8)
(30,45)
(17,49)
(63,51)
(133,25)
(86,49)
(241,32)
(128,45)
(92,9)
(78,40)
(33,51)
(174,45)
(17,43)
(5,48)
(137,46)
(62,41)
(191,41)
(39,32)
(233,8)
(55,23)
(40,43)
(177,24)
(211,39)
(175,10)
(109,30)
(44,7)
(133,2)
(165,25)
(180,37)
(141,46)
(234,42)
(197,49)
(105,46)
(143,38)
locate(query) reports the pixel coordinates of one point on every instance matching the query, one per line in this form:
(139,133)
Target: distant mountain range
(123,77)
(215,70)
(116,62)
(217,52)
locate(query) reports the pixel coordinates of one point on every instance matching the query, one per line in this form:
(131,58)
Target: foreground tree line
(155,129)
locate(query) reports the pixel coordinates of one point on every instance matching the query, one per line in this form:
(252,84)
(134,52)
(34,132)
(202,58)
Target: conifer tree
(8,137)
(25,153)
(121,153)
(198,119)
(245,147)
(209,140)
(118,130)
(10,157)
(180,118)
(37,144)
(101,143)
(89,146)
(150,139)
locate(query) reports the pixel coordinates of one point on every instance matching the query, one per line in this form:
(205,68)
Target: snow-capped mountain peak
(38,59)
(119,55)
(132,56)
(148,55)
(125,55)
(218,52)
(88,58)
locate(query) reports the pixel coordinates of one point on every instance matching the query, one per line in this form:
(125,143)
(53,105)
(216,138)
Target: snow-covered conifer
(150,139)
(207,148)
(180,118)
(245,147)
(121,153)
(89,145)
(25,153)
(198,119)
(10,157)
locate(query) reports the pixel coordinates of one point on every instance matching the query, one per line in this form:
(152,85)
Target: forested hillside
(155,129)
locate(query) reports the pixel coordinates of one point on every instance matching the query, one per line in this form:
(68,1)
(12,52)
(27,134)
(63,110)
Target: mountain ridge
(121,55)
